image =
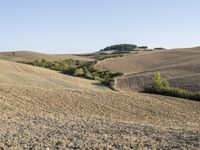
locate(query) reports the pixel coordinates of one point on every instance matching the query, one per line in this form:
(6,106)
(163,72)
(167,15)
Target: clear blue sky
(78,26)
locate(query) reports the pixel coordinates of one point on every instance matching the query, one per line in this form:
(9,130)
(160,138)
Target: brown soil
(42,109)
(28,56)
(179,66)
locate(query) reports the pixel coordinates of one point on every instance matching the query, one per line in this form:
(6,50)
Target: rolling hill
(41,108)
(28,56)
(21,74)
(179,66)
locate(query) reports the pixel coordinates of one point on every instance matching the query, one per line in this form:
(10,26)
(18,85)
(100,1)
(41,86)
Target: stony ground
(30,132)
(35,118)
(41,109)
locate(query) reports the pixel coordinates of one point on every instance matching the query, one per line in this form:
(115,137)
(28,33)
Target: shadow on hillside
(100,85)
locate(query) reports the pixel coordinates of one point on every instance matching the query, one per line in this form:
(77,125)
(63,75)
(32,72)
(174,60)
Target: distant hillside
(120,47)
(179,66)
(27,56)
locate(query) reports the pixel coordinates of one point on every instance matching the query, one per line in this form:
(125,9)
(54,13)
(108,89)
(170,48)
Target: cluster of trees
(79,68)
(58,65)
(121,47)
(143,47)
(162,87)
(159,48)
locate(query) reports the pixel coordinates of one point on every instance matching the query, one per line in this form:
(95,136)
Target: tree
(158,82)
(79,72)
(13,53)
(43,61)
(36,63)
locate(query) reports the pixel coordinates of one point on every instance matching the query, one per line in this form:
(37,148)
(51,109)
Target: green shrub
(78,72)
(158,82)
(162,87)
(78,68)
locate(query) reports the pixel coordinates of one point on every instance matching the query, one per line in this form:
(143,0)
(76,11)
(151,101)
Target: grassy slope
(179,66)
